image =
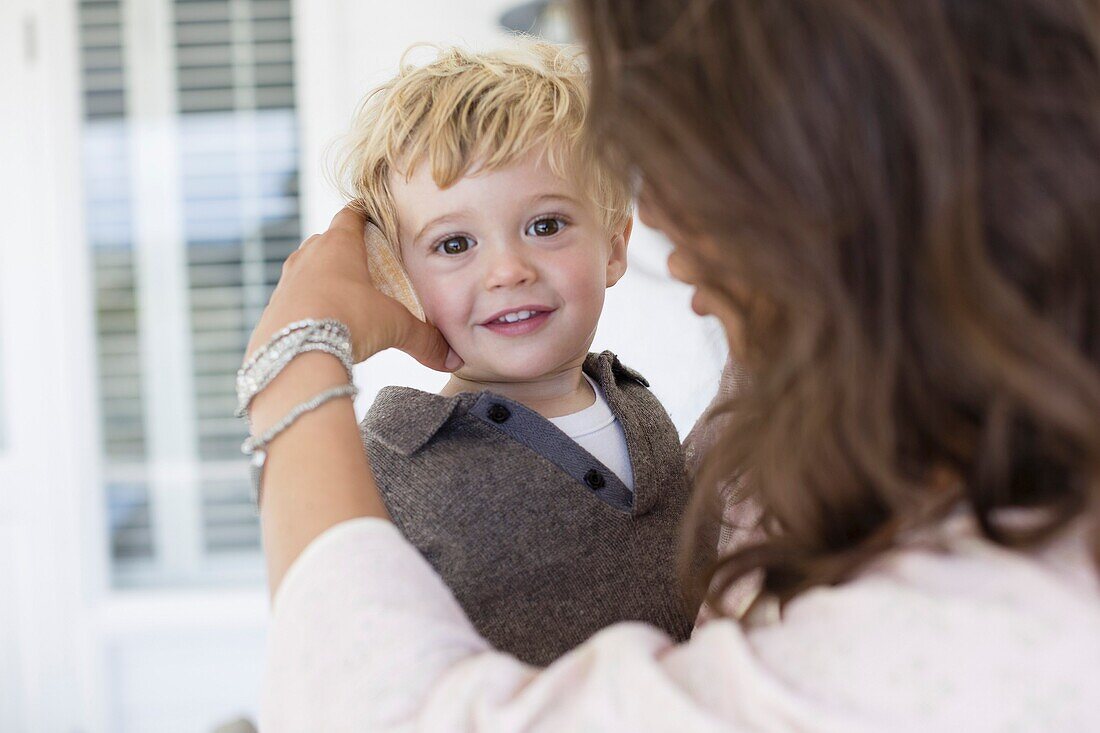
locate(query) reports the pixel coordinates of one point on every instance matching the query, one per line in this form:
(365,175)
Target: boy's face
(510,265)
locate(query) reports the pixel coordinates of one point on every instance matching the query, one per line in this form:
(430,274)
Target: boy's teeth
(517,316)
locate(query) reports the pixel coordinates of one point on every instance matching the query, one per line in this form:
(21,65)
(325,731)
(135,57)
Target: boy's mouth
(518,321)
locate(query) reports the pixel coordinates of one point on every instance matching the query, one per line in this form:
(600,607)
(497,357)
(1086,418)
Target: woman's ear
(616,258)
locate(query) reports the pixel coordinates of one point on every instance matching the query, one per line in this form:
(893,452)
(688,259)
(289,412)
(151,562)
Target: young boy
(494,225)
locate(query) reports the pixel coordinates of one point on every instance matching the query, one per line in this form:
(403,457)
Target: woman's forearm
(316,474)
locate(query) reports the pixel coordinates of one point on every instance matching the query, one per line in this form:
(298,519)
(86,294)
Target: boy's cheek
(438,309)
(438,318)
(585,285)
(453,330)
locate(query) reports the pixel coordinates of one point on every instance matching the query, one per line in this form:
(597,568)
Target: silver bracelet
(260,352)
(258,371)
(269,360)
(256,447)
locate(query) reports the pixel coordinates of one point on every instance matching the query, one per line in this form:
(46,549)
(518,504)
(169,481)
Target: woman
(891,206)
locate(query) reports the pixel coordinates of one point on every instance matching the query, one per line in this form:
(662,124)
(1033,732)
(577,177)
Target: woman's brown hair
(909,193)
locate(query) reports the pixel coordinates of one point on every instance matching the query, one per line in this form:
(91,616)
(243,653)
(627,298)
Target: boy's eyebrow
(439,220)
(554,197)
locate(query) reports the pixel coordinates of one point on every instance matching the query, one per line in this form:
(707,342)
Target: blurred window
(191,201)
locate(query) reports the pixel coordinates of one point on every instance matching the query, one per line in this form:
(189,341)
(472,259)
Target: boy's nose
(508,268)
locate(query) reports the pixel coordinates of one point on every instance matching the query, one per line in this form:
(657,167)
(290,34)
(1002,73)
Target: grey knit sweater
(541,544)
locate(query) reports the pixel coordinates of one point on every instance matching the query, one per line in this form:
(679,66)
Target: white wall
(48,459)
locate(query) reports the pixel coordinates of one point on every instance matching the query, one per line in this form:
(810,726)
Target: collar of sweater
(422,414)
(406,419)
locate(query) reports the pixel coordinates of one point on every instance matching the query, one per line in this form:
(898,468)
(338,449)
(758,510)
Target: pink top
(957,634)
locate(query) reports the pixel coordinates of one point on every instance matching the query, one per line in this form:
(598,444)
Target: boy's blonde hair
(467,109)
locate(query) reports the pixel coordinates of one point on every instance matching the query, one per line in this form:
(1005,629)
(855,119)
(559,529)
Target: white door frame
(53,550)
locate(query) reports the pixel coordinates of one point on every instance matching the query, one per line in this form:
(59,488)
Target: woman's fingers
(426,344)
(328,277)
(348,219)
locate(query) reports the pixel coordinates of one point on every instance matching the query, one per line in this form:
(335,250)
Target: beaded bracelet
(256,447)
(258,371)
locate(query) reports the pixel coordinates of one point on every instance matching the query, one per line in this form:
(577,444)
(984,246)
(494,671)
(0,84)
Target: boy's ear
(386,271)
(616,258)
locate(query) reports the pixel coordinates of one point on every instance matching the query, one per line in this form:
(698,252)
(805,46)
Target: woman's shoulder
(951,629)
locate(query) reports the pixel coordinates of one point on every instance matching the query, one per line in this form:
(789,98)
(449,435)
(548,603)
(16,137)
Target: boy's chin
(519,371)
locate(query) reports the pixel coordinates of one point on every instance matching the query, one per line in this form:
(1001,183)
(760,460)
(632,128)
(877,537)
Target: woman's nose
(680,268)
(508,267)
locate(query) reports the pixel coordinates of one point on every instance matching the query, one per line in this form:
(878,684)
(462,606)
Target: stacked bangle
(328,336)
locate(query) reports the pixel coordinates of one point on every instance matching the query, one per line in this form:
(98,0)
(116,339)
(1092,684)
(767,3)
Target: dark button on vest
(499,413)
(594,479)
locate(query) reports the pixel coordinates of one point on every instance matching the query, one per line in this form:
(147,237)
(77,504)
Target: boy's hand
(328,277)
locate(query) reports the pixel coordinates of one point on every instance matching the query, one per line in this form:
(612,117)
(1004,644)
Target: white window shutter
(235,127)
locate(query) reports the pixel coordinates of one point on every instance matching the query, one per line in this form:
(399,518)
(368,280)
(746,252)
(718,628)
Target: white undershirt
(598,431)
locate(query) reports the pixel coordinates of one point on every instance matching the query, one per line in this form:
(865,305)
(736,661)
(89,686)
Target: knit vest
(540,543)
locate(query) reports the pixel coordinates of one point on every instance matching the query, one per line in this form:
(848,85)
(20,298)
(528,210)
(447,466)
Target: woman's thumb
(426,344)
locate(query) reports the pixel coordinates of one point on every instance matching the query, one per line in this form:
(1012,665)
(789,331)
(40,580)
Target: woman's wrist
(304,377)
(368,330)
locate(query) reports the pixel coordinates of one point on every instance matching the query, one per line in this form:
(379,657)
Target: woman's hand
(327,277)
(316,473)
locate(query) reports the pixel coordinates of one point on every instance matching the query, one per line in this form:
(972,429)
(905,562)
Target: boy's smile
(510,264)
(519,322)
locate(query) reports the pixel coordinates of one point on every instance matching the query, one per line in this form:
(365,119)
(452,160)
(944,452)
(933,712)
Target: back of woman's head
(903,200)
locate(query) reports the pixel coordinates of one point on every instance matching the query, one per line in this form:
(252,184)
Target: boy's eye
(545,227)
(454,245)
